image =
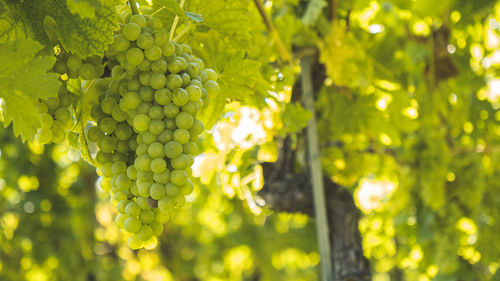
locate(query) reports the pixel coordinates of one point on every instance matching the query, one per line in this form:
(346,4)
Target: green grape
(192,69)
(203,75)
(188,57)
(46,120)
(158,80)
(131,100)
(132,225)
(141,122)
(41,108)
(65,100)
(144,188)
(211,74)
(157,191)
(147,216)
(134,242)
(156,150)
(87,71)
(107,125)
(134,190)
(43,135)
(212,88)
(163,96)
(181,136)
(173,149)
(105,184)
(185,79)
(146,93)
(107,144)
(133,85)
(157,229)
(178,48)
(162,177)
(60,67)
(123,131)
(148,138)
(106,170)
(187,188)
(156,112)
(123,182)
(120,207)
(142,202)
(170,110)
(118,168)
(158,165)
(186,49)
(153,53)
(132,209)
(120,220)
(122,147)
(190,148)
(166,136)
(168,49)
(159,66)
(166,204)
(170,124)
(174,66)
(183,62)
(58,135)
(154,23)
(132,144)
(196,128)
(107,105)
(191,108)
(174,81)
(160,38)
(142,162)
(156,127)
(135,56)
(131,172)
(145,65)
(120,43)
(52,103)
(118,196)
(199,62)
(73,63)
(118,114)
(178,177)
(144,108)
(145,233)
(131,31)
(181,162)
(144,176)
(145,78)
(171,189)
(139,20)
(184,120)
(145,41)
(194,92)
(103,158)
(195,82)
(180,97)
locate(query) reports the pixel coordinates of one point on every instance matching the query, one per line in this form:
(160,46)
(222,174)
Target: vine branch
(284,53)
(176,21)
(133,7)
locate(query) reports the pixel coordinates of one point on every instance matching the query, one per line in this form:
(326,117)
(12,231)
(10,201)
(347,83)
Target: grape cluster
(55,116)
(147,128)
(73,66)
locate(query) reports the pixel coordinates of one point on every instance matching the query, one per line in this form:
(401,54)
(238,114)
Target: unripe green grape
(132,209)
(159,66)
(166,136)
(142,162)
(192,69)
(148,138)
(170,124)
(103,157)
(107,105)
(141,122)
(60,67)
(144,176)
(106,169)
(173,149)
(154,23)
(199,62)
(180,162)
(123,182)
(180,97)
(105,184)
(174,66)
(131,172)
(120,43)
(200,104)
(197,128)
(146,93)
(186,49)
(131,100)
(145,233)
(46,120)
(195,82)
(147,216)
(156,112)
(140,20)
(157,229)
(178,48)
(163,96)
(142,202)
(65,100)
(118,196)
(52,103)
(144,108)
(118,168)
(118,114)
(156,150)
(190,148)
(163,177)
(171,189)
(145,78)
(87,72)
(120,207)
(132,144)
(174,81)
(211,74)
(166,204)
(43,135)
(156,127)
(153,53)
(158,165)
(132,224)
(184,120)
(186,80)
(157,191)
(158,80)
(187,188)
(131,70)
(107,125)
(134,242)
(178,177)
(160,38)
(145,65)
(120,220)
(58,135)
(145,41)
(122,147)
(144,188)
(135,56)
(191,108)
(168,49)
(41,108)
(212,88)
(170,110)
(107,144)
(181,136)
(131,31)
(203,75)
(73,63)
(194,92)
(183,62)
(123,131)
(187,57)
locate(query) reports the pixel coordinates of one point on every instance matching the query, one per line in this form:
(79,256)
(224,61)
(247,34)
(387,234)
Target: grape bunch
(147,129)
(73,66)
(55,116)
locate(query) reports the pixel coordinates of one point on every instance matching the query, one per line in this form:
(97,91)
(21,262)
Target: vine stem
(176,21)
(316,172)
(133,7)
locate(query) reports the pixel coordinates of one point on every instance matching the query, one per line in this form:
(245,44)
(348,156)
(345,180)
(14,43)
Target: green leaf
(10,25)
(84,37)
(194,16)
(313,10)
(212,112)
(24,77)
(172,6)
(84,8)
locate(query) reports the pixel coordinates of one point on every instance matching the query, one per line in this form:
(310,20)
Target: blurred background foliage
(409,122)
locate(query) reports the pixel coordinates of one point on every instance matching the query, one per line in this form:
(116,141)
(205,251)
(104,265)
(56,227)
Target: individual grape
(147,216)
(87,71)
(187,188)
(135,56)
(180,97)
(144,188)
(44,135)
(158,165)
(168,49)
(196,128)
(145,65)
(157,191)
(159,66)
(132,224)
(145,233)
(158,80)
(194,92)
(142,202)
(142,162)
(120,207)
(140,20)
(132,172)
(171,190)
(107,105)
(156,112)
(141,122)
(120,220)
(133,85)
(107,125)
(174,66)
(46,120)
(157,228)
(170,124)
(58,135)
(184,120)
(131,31)
(171,110)
(148,138)
(52,103)
(145,41)
(156,127)
(181,136)
(191,108)
(132,209)
(145,78)
(118,114)
(174,81)
(181,162)
(153,53)
(120,43)
(173,149)
(134,242)
(107,144)
(74,63)
(154,23)
(146,93)
(122,182)
(178,177)
(156,150)
(123,131)
(212,88)
(162,177)
(165,136)
(118,167)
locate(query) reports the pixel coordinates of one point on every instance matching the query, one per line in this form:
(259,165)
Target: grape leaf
(194,16)
(24,77)
(171,6)
(88,99)
(212,111)
(10,25)
(85,37)
(84,8)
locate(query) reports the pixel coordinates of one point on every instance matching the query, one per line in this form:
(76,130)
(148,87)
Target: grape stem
(176,21)
(133,7)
